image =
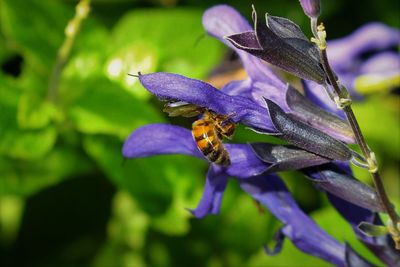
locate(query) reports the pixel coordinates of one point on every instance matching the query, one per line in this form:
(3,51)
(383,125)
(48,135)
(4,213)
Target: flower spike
(280,42)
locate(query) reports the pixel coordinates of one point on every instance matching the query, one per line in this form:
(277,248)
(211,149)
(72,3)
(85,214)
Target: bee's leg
(225,119)
(229,116)
(228,129)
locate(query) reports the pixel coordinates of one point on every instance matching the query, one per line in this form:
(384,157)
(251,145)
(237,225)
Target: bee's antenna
(135,75)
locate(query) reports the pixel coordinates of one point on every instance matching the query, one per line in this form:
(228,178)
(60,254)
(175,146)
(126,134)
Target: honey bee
(207,131)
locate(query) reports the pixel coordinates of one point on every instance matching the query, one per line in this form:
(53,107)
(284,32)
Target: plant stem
(72,29)
(368,154)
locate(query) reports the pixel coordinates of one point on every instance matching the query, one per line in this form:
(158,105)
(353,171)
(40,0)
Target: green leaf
(176,34)
(289,256)
(38,31)
(14,141)
(34,112)
(253,226)
(20,177)
(5,52)
(128,229)
(11,210)
(379,121)
(106,108)
(27,144)
(379,118)
(162,186)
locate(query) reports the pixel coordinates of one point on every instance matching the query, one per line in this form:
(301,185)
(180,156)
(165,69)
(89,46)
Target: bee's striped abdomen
(209,144)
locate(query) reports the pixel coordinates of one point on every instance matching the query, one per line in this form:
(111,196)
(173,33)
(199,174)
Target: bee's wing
(181,108)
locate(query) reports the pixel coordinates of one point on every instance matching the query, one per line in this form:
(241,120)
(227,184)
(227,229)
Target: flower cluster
(317,136)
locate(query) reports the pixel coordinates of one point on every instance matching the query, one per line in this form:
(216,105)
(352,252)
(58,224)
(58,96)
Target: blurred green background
(67,197)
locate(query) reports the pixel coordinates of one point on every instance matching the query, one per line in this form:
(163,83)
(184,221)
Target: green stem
(71,31)
(368,154)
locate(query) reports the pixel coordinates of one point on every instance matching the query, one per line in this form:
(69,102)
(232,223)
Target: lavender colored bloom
(170,86)
(243,102)
(365,56)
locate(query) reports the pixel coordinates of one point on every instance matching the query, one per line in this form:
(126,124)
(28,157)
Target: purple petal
(346,57)
(311,8)
(257,90)
(244,162)
(177,87)
(242,88)
(270,191)
(261,90)
(223,20)
(214,188)
(165,139)
(160,139)
(371,37)
(385,63)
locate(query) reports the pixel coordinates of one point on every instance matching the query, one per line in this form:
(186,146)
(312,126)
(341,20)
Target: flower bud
(311,8)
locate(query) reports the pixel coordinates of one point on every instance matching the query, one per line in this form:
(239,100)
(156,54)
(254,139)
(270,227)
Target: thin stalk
(71,31)
(314,24)
(368,154)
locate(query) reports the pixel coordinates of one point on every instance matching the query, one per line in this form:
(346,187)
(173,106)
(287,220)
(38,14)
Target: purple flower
(364,57)
(170,86)
(311,7)
(265,104)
